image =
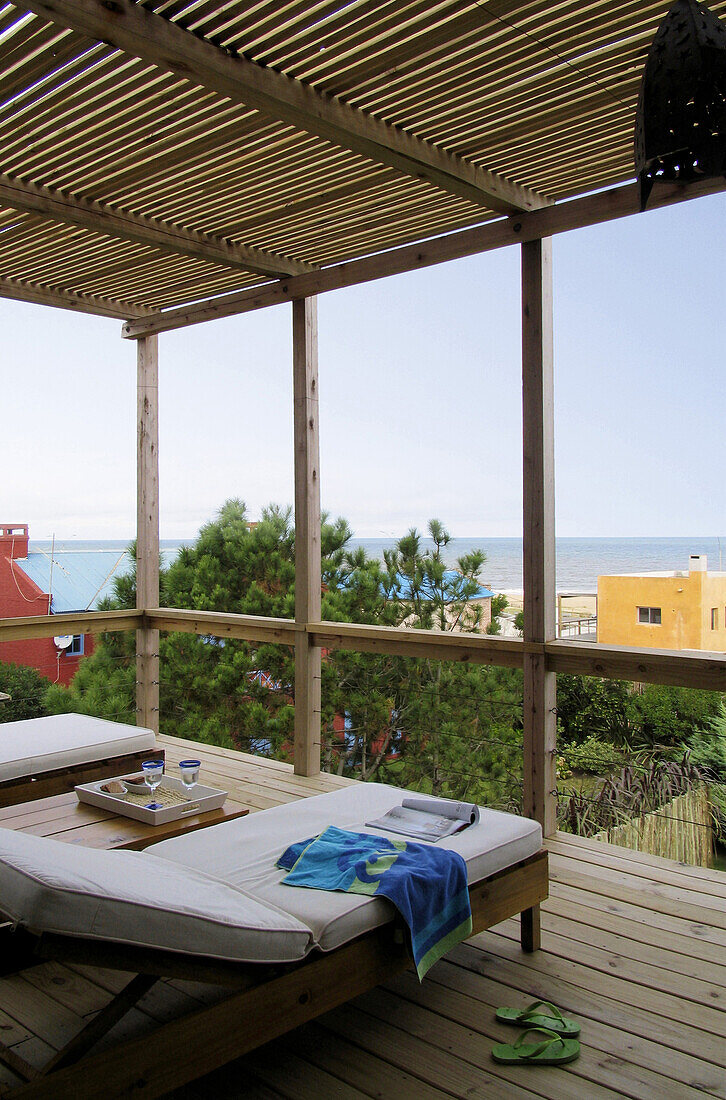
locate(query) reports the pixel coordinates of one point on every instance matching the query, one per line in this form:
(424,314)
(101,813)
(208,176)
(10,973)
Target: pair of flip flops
(556,1041)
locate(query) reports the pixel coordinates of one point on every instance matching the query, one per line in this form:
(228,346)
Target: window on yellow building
(649,615)
(714,618)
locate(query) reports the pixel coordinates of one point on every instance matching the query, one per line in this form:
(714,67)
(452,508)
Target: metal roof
(166,151)
(450,577)
(80,579)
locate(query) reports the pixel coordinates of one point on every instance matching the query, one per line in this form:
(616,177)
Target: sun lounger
(211,906)
(45,756)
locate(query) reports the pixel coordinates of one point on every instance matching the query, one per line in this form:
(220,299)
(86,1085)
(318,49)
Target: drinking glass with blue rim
(153,771)
(189,770)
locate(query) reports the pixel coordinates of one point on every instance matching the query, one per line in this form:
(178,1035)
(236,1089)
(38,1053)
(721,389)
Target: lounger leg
(102,1022)
(17,1064)
(530,930)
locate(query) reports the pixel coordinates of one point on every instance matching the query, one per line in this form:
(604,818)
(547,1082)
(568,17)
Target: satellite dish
(63,641)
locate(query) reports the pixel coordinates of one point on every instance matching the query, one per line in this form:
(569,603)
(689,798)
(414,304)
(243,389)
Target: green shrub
(708,746)
(593,755)
(27,690)
(717,798)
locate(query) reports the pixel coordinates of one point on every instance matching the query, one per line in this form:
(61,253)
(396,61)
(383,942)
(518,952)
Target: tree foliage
(27,690)
(440,726)
(635,718)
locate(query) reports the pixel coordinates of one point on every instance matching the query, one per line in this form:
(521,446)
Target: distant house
(34,583)
(677,610)
(482,597)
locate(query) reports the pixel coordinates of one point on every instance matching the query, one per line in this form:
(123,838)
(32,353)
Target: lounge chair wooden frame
(29,788)
(267,1001)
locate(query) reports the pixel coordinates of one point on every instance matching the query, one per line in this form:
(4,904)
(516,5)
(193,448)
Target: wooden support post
(147,530)
(540,723)
(307,534)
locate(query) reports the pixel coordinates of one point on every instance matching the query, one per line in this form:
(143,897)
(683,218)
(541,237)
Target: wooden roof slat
(589,210)
(30,68)
(63,299)
(410,56)
(259,24)
(142,33)
(10,15)
(376,24)
(539,93)
(102,219)
(469,44)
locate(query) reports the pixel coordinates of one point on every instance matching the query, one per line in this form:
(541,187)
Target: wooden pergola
(170,162)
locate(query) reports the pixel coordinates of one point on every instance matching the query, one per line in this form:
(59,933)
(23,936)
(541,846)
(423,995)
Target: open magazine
(427,818)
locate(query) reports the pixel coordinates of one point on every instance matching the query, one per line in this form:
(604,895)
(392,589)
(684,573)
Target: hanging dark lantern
(680,124)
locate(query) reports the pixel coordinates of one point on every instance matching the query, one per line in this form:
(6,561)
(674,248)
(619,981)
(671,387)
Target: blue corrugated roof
(404,584)
(81,578)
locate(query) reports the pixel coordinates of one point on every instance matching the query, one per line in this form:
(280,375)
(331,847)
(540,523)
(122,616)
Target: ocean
(579,560)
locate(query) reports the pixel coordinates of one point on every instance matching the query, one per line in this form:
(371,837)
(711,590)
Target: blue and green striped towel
(427,885)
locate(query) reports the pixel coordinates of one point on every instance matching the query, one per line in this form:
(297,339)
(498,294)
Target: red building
(41,583)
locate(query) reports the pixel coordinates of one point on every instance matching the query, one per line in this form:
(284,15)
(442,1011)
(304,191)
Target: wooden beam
(707,670)
(66,299)
(437,645)
(147,530)
(140,32)
(307,534)
(620,202)
(540,685)
(74,622)
(220,624)
(648,666)
(101,218)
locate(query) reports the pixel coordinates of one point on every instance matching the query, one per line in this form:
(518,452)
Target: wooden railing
(655,666)
(569,628)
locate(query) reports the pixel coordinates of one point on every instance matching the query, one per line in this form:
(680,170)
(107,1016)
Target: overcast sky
(420,399)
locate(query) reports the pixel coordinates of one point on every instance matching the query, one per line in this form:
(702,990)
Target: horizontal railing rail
(646,666)
(221,624)
(72,622)
(656,666)
(405,642)
(569,628)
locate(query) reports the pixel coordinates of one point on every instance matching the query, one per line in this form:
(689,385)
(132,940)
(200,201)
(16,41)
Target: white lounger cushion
(63,740)
(216,891)
(243,852)
(135,898)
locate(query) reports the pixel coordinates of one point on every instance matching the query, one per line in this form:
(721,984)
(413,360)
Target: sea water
(579,560)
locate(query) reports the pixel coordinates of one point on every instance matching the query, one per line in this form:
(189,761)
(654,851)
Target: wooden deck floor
(634,947)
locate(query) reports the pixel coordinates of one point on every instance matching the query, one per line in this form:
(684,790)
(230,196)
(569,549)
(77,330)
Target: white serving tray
(204,799)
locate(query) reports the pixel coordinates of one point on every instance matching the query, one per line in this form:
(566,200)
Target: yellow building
(679,610)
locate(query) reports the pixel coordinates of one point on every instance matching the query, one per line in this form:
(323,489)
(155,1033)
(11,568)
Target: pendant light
(680,124)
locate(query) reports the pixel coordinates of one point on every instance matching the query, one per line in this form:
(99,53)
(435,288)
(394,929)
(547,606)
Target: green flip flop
(553,1050)
(552,1019)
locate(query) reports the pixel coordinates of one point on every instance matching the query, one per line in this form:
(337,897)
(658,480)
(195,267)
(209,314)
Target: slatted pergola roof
(156,154)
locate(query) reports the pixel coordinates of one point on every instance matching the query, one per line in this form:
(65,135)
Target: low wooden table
(63,817)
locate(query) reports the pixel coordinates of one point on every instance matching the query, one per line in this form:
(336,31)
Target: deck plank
(668,872)
(424,1056)
(628,964)
(701,938)
(588,995)
(357,1067)
(616,1037)
(634,940)
(601,1067)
